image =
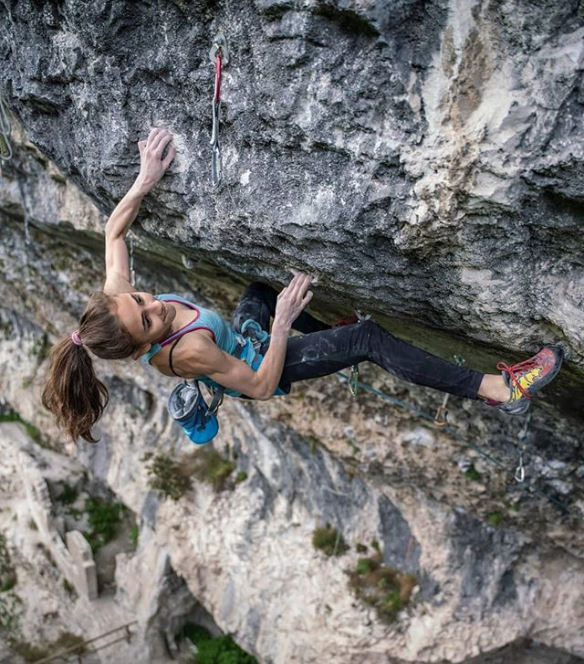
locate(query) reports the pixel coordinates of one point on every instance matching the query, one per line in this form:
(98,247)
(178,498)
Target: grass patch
(69,588)
(240,477)
(134,535)
(104,519)
(386,589)
(41,348)
(495,518)
(472,473)
(209,466)
(31,430)
(68,494)
(166,475)
(215,650)
(329,541)
(8,576)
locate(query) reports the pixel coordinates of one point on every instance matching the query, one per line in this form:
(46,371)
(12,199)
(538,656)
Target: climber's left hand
(152,165)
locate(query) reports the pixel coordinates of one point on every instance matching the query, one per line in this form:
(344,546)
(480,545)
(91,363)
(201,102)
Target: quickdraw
(219,56)
(521,437)
(453,432)
(354,378)
(441,417)
(5,147)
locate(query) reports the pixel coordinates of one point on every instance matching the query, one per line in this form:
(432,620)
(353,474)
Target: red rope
(217,96)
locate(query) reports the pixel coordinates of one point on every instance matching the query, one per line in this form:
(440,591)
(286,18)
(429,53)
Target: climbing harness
(454,433)
(354,378)
(253,330)
(5,147)
(441,417)
(219,56)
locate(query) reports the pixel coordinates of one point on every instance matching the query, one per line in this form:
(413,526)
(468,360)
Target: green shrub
(9,614)
(69,589)
(241,476)
(104,519)
(134,535)
(472,473)
(8,576)
(68,494)
(209,466)
(329,541)
(31,430)
(495,518)
(382,587)
(215,650)
(167,476)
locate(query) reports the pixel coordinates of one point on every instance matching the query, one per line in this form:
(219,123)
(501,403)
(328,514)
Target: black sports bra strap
(170,358)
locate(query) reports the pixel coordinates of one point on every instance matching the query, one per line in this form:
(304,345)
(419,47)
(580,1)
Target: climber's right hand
(292,300)
(152,165)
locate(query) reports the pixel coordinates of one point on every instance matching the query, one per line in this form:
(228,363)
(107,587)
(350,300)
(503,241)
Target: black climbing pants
(322,350)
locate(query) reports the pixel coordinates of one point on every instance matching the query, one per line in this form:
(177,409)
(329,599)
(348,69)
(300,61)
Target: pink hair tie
(76,338)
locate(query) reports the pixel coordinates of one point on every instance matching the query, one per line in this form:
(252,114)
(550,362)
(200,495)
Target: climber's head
(146,319)
(73,392)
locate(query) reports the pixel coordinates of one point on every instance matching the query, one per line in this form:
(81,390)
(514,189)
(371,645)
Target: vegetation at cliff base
(104,519)
(215,650)
(386,589)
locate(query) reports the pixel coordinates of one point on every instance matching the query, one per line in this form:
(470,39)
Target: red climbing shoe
(528,377)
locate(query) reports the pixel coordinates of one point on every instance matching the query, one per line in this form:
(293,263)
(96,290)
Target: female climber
(181,339)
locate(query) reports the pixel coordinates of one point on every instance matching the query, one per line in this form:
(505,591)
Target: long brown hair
(73,392)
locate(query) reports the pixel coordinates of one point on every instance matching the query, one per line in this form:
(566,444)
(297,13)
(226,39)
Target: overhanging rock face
(424,159)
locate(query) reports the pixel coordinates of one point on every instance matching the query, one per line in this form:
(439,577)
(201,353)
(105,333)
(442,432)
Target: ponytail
(73,393)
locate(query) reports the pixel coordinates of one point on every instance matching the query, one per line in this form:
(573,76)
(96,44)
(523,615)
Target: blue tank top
(223,334)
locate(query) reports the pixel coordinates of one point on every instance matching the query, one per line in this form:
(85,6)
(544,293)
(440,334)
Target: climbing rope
(219,56)
(5,147)
(456,435)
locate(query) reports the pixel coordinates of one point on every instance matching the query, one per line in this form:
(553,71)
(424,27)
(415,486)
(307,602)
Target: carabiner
(441,417)
(520,470)
(219,43)
(354,380)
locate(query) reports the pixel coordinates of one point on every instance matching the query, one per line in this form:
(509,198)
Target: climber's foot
(526,378)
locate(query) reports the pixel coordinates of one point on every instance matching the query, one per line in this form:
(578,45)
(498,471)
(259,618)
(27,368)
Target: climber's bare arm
(196,354)
(152,168)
